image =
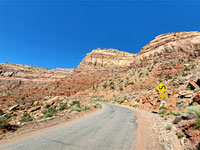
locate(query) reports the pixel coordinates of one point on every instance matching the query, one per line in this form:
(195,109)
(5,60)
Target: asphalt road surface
(114,128)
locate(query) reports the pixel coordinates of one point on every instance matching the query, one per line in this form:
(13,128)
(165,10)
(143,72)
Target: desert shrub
(86,107)
(50,112)
(197,124)
(3,122)
(63,106)
(168,127)
(177,120)
(105,85)
(78,109)
(180,134)
(47,105)
(112,87)
(186,69)
(175,84)
(188,87)
(162,111)
(167,77)
(4,100)
(112,83)
(1,112)
(175,113)
(133,106)
(96,105)
(195,110)
(26,118)
(76,103)
(184,74)
(121,88)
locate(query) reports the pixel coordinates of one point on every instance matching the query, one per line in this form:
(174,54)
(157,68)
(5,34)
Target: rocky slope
(171,46)
(106,60)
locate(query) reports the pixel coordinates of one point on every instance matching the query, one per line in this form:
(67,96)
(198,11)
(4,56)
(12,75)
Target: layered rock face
(171,46)
(25,81)
(176,39)
(14,75)
(10,71)
(106,60)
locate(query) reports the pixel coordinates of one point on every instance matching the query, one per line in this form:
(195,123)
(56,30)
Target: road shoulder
(152,133)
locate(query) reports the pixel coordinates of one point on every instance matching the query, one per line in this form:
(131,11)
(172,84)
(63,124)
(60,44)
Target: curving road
(114,128)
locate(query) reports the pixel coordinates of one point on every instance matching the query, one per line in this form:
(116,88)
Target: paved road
(114,128)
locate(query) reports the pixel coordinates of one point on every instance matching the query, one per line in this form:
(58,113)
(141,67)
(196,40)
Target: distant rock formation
(106,60)
(10,71)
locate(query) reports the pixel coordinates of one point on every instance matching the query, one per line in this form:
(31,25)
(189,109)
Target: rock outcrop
(106,60)
(10,71)
(171,46)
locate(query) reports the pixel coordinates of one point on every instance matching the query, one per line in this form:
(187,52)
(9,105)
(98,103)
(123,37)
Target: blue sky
(59,33)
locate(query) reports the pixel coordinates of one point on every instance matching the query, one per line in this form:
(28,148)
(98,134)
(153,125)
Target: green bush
(26,118)
(180,134)
(48,114)
(162,111)
(76,103)
(194,109)
(86,107)
(175,113)
(3,122)
(121,89)
(4,100)
(177,120)
(47,105)
(168,127)
(197,123)
(78,109)
(63,106)
(96,105)
(167,77)
(105,85)
(1,112)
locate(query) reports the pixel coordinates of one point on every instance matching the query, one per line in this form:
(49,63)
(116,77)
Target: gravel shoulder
(152,133)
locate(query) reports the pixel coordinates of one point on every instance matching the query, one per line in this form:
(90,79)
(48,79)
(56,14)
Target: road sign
(161,88)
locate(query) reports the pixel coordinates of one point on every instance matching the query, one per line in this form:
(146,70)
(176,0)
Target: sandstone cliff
(10,71)
(106,60)
(171,46)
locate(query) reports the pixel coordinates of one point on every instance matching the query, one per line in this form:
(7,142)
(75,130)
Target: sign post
(162,88)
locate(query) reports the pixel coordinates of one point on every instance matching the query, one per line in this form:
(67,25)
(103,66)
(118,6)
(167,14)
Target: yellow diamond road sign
(161,88)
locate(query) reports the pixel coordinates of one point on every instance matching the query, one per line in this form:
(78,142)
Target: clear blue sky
(59,33)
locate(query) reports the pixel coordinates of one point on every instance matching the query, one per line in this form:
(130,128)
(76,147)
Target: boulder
(32,109)
(186,93)
(193,85)
(13,108)
(197,98)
